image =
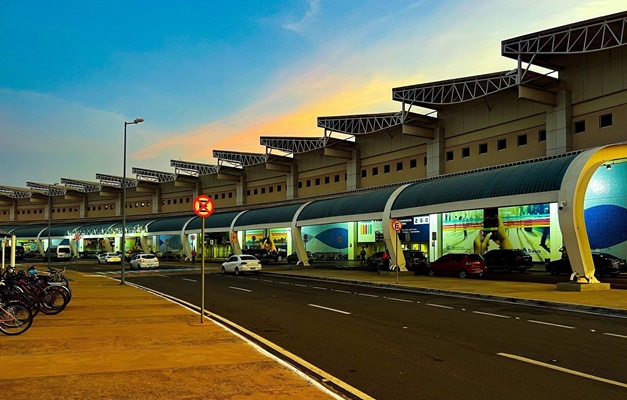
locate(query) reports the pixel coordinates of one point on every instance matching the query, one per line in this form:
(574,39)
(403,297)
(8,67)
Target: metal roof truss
(193,169)
(115,180)
(239,159)
(153,176)
(47,190)
(360,124)
(81,186)
(293,145)
(14,192)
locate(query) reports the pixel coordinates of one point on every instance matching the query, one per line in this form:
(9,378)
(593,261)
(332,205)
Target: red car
(462,265)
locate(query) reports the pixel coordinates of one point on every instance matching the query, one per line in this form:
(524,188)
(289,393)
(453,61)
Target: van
(61,252)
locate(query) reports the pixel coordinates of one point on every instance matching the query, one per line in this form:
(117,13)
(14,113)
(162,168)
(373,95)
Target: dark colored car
(19,252)
(375,261)
(460,264)
(416,261)
(170,256)
(293,258)
(604,264)
(508,260)
(264,256)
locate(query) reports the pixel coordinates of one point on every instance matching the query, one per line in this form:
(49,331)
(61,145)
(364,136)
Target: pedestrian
(193,256)
(362,255)
(386,260)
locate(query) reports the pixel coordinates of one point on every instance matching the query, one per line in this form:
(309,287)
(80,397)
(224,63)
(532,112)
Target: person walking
(362,255)
(193,256)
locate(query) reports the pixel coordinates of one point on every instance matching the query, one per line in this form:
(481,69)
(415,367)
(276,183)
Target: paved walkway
(120,342)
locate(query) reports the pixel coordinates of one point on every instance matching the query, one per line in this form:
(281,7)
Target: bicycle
(15,317)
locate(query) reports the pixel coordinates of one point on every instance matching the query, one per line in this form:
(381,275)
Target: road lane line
(189,280)
(267,280)
(367,295)
(319,288)
(616,335)
(490,314)
(300,285)
(284,283)
(568,371)
(342,291)
(239,288)
(395,299)
(550,324)
(329,309)
(438,305)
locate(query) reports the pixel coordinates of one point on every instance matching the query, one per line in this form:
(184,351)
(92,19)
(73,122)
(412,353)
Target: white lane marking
(568,371)
(438,305)
(253,279)
(189,280)
(367,295)
(284,283)
(319,288)
(299,285)
(341,291)
(395,299)
(616,335)
(239,288)
(329,309)
(267,280)
(491,315)
(550,324)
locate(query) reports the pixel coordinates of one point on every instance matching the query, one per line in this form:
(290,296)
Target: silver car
(238,264)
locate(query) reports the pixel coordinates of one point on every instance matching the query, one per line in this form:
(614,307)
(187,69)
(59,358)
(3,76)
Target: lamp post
(123,245)
(48,250)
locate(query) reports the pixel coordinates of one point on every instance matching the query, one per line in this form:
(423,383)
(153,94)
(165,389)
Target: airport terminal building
(533,157)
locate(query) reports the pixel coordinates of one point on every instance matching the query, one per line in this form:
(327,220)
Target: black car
(293,258)
(263,255)
(508,260)
(375,261)
(416,261)
(604,264)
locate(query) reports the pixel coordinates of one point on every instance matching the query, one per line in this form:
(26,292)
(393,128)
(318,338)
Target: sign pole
(397,226)
(202,272)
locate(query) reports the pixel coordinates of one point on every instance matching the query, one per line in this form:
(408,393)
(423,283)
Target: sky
(217,75)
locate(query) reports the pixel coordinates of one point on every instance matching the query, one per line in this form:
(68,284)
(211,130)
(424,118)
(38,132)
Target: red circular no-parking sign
(203,206)
(397,225)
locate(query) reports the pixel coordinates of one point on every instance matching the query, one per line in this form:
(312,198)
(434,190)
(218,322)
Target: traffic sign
(397,225)
(77,236)
(203,206)
(233,237)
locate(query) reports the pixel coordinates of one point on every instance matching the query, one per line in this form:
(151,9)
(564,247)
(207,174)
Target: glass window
(300,185)
(579,126)
(337,177)
(386,169)
(501,144)
(279,187)
(522,140)
(317,181)
(308,182)
(327,179)
(263,190)
(605,120)
(375,171)
(542,135)
(270,189)
(248,191)
(255,191)
(483,148)
(399,166)
(413,163)
(465,152)
(449,156)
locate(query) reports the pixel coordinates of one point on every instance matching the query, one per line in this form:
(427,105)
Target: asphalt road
(401,345)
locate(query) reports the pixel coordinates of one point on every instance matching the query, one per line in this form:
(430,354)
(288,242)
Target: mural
(605,210)
(327,242)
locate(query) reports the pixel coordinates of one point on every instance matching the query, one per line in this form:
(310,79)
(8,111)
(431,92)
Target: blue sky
(217,75)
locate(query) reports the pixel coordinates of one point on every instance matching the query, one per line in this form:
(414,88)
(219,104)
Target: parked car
(170,256)
(19,252)
(144,261)
(263,255)
(508,260)
(130,254)
(61,252)
(293,258)
(375,261)
(416,261)
(238,264)
(460,264)
(604,264)
(109,258)
(90,254)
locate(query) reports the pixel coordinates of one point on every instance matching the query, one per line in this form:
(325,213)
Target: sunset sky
(217,75)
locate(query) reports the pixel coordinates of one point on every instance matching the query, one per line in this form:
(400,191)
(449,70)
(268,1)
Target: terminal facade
(532,156)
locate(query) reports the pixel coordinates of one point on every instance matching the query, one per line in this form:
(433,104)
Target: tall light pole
(48,250)
(123,245)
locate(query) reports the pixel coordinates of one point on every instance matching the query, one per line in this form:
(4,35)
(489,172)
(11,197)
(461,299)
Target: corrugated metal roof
(214,221)
(30,232)
(173,224)
(267,216)
(532,177)
(364,203)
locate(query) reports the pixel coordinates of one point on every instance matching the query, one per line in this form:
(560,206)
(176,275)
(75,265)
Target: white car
(144,261)
(238,264)
(109,258)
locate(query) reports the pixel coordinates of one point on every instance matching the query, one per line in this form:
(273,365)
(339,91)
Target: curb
(555,305)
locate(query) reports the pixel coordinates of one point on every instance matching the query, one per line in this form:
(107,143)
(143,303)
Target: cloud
(306,20)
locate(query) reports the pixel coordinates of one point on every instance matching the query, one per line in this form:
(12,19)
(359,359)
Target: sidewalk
(119,342)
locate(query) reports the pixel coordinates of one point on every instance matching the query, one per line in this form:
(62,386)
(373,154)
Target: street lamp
(136,121)
(48,250)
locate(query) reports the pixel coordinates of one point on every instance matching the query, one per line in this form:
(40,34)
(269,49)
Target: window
(279,187)
(147,204)
(99,207)
(248,191)
(364,173)
(501,144)
(270,189)
(143,205)
(386,169)
(542,135)
(449,156)
(483,148)
(255,192)
(399,166)
(337,177)
(300,185)
(223,195)
(186,200)
(308,182)
(465,152)
(522,140)
(174,200)
(317,181)
(413,163)
(579,126)
(215,196)
(605,120)
(263,190)
(375,171)
(425,161)
(230,195)
(327,180)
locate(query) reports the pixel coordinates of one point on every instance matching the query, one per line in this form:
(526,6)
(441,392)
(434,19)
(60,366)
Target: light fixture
(608,166)
(123,244)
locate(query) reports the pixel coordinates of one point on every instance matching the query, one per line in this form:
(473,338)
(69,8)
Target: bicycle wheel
(53,300)
(30,300)
(15,318)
